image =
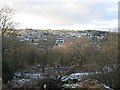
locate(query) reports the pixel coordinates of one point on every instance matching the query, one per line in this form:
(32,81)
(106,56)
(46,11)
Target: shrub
(7,72)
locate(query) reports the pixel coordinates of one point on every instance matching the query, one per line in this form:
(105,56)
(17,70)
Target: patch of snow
(18,74)
(19,82)
(22,81)
(71,85)
(73,76)
(32,75)
(29,75)
(107,87)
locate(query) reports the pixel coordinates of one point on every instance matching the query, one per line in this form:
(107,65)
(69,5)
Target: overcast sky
(65,14)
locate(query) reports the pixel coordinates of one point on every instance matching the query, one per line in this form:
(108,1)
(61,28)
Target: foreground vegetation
(21,55)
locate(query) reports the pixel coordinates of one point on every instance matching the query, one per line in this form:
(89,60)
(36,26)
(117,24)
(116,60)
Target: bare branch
(6,23)
(71,70)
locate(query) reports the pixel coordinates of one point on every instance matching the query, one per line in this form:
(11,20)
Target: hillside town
(60,37)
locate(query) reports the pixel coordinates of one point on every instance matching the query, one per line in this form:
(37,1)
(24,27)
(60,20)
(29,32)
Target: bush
(110,79)
(7,72)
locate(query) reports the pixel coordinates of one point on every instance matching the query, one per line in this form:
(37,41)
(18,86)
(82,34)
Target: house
(59,41)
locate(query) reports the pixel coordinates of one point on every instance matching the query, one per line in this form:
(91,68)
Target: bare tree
(6,22)
(7,25)
(79,48)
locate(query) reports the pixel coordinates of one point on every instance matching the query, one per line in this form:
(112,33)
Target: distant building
(34,36)
(59,41)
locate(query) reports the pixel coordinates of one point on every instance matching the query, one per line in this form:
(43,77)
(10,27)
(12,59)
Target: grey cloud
(58,11)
